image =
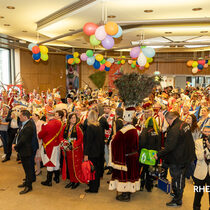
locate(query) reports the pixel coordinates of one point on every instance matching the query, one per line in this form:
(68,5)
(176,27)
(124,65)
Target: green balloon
(209,62)
(118,62)
(44,57)
(89,53)
(133,65)
(94,41)
(143,47)
(103,61)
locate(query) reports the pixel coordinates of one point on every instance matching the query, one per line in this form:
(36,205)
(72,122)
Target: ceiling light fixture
(196,9)
(168,32)
(148,10)
(24,31)
(6,24)
(10,7)
(71,29)
(1,17)
(203,32)
(111,16)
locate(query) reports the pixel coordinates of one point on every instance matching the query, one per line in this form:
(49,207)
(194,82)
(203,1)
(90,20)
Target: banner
(72,77)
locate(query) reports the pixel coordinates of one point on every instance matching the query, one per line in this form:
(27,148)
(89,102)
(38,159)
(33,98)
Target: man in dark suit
(24,147)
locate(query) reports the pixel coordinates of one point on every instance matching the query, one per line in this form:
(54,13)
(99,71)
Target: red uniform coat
(74,159)
(124,158)
(51,135)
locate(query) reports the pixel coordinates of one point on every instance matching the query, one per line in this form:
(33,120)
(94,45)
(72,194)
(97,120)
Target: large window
(5,66)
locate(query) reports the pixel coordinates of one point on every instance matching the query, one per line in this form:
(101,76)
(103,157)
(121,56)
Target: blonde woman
(94,148)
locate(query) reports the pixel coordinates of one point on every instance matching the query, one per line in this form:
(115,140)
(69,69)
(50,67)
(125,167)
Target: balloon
(141,67)
(130,61)
(31,45)
(96,65)
(142,59)
(133,66)
(200,66)
(37,60)
(77,60)
(189,63)
(111,60)
(119,33)
(76,54)
(134,62)
(108,42)
(102,67)
(89,53)
(122,62)
(69,56)
(36,56)
(103,61)
(209,62)
(107,68)
(70,60)
(195,70)
(43,49)
(108,64)
(100,33)
(91,61)
(44,57)
(194,64)
(146,65)
(90,28)
(134,53)
(83,57)
(94,41)
(206,65)
(111,28)
(99,57)
(202,62)
(118,62)
(149,60)
(149,52)
(35,49)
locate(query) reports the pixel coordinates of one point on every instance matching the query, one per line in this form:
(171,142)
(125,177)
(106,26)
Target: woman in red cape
(72,151)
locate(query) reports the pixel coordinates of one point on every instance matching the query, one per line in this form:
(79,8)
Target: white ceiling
(28,12)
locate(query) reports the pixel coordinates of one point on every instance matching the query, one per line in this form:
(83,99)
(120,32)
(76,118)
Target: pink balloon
(108,42)
(100,33)
(141,67)
(134,53)
(102,67)
(202,62)
(83,57)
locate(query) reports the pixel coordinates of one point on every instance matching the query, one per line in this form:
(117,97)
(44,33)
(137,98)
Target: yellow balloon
(76,54)
(99,57)
(134,62)
(146,65)
(122,61)
(43,49)
(123,56)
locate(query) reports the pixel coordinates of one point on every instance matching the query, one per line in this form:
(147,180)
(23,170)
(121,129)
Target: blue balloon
(107,68)
(206,61)
(200,66)
(119,33)
(91,61)
(31,45)
(96,65)
(69,56)
(36,56)
(148,52)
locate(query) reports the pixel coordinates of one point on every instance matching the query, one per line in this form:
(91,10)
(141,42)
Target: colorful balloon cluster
(103,34)
(198,65)
(97,61)
(121,61)
(134,64)
(144,56)
(73,59)
(39,52)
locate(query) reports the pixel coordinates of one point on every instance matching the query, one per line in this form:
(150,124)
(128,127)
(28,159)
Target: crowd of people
(93,125)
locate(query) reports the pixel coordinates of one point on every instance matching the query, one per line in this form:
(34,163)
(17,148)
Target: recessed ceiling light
(197,9)
(138,35)
(1,17)
(6,24)
(71,29)
(203,32)
(111,16)
(148,10)
(168,32)
(24,31)
(10,7)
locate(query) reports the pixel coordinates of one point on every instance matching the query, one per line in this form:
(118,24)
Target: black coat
(179,147)
(93,141)
(24,140)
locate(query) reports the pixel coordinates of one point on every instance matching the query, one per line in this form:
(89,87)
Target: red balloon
(90,28)
(35,49)
(202,62)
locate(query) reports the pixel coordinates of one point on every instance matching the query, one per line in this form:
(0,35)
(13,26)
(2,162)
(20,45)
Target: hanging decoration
(73,59)
(103,34)
(199,65)
(39,52)
(144,56)
(121,60)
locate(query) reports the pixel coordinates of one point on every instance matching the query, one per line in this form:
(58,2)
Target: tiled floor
(59,198)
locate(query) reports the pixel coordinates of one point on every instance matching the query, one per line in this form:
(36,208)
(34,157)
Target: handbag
(147,157)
